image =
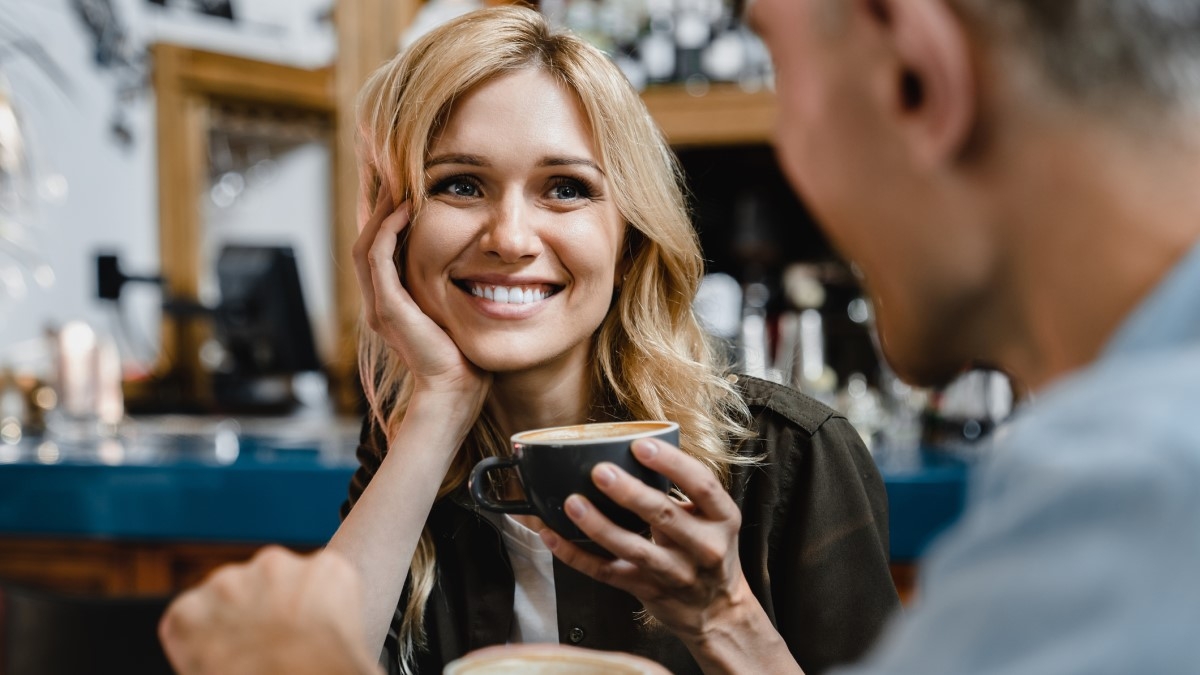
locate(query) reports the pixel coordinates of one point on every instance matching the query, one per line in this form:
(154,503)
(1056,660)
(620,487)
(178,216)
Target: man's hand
(279,613)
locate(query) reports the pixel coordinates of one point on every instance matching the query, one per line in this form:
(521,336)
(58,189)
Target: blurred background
(177,311)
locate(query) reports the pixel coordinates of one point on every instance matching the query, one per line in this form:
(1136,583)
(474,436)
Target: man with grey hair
(1019,182)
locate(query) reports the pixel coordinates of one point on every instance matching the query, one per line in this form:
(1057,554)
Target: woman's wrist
(740,638)
(435,419)
(453,407)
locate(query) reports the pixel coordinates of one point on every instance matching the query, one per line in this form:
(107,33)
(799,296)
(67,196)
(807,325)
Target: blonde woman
(526,261)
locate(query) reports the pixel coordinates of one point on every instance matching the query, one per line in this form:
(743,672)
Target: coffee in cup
(550,659)
(554,463)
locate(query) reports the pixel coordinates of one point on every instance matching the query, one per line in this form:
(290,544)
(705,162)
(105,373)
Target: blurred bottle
(800,353)
(862,405)
(14,409)
(904,407)
(90,402)
(656,50)
(753,340)
(693,32)
(668,41)
(967,410)
(718,308)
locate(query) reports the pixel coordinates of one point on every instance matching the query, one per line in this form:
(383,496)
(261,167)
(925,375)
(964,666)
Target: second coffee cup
(554,463)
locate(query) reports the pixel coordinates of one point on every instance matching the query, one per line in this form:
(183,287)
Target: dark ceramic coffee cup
(554,463)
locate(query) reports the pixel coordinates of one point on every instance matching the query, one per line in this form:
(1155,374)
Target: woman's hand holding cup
(556,462)
(688,573)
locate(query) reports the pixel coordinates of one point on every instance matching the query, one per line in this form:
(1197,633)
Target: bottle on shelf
(801,349)
(693,42)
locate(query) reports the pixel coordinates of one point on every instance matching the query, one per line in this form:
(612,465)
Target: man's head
(1124,57)
(933,138)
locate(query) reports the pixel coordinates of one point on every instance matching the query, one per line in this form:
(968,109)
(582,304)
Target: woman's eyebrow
(472,160)
(571,161)
(476,160)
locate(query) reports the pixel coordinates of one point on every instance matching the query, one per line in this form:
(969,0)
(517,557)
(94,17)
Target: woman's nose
(510,236)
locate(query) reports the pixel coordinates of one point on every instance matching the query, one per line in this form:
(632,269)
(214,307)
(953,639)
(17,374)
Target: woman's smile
(507,299)
(508,291)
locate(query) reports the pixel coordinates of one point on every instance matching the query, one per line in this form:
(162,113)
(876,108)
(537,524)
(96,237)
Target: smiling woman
(526,261)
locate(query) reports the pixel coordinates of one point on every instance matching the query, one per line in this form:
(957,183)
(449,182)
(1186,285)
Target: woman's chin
(501,363)
(515,360)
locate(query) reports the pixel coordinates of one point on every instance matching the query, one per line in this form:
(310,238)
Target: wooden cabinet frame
(187,84)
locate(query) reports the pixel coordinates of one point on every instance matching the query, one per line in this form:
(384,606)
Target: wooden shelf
(222,75)
(724,115)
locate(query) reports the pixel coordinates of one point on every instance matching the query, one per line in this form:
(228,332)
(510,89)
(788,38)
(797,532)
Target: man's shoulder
(1129,405)
(1124,431)
(1078,538)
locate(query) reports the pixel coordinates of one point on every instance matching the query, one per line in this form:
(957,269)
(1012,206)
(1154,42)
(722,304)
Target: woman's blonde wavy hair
(652,360)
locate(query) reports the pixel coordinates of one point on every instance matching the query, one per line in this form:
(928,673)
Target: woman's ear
(933,90)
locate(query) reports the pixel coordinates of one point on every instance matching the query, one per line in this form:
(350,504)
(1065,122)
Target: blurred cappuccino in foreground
(551,659)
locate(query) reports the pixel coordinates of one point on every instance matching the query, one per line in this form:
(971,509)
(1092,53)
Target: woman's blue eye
(462,189)
(566,192)
(570,189)
(456,186)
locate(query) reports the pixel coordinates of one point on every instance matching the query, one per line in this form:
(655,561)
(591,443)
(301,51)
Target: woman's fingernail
(604,475)
(645,448)
(574,506)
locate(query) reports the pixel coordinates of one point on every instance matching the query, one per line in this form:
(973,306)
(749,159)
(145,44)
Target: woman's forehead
(527,112)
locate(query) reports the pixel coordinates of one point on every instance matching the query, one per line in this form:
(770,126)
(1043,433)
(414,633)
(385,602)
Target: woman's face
(515,253)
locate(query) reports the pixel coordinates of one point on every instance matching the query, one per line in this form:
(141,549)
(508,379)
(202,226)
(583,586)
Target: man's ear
(934,88)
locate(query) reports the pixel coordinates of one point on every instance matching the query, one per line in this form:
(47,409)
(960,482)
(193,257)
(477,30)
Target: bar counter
(204,483)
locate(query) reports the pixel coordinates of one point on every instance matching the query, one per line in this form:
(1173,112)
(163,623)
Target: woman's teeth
(513,295)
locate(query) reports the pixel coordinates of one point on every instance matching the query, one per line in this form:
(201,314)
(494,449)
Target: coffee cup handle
(478,493)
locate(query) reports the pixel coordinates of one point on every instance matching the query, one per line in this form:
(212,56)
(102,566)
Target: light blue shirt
(1079,548)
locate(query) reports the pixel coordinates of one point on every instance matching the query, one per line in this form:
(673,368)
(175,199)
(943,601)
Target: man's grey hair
(1108,53)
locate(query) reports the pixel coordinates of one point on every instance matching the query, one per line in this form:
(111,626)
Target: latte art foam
(590,432)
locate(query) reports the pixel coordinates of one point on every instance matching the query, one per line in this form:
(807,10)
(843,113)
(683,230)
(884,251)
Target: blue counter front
(287,501)
(260,488)
(925,496)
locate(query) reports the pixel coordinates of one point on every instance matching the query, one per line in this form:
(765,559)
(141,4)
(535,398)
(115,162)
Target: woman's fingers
(617,573)
(385,277)
(385,300)
(622,543)
(702,526)
(688,571)
(692,540)
(695,480)
(368,230)
(704,542)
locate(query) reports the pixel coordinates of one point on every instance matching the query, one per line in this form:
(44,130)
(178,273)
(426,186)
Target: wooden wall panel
(110,568)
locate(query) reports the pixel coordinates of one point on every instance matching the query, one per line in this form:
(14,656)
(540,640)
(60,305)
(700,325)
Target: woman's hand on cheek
(435,361)
(688,575)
